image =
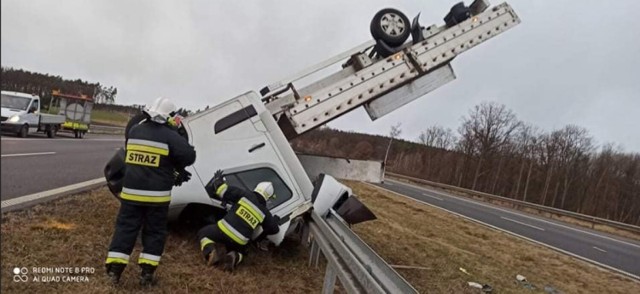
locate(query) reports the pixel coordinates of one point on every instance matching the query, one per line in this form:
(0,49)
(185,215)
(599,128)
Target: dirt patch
(409,233)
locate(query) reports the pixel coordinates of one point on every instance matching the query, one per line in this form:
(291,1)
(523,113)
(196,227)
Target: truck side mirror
(32,110)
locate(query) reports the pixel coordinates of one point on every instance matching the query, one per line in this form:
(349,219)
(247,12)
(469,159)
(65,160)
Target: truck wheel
(51,132)
(391,26)
(24,131)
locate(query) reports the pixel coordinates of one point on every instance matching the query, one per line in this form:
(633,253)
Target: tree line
(20,80)
(494,152)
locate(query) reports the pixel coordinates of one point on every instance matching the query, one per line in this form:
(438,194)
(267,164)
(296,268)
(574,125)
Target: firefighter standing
(154,152)
(225,242)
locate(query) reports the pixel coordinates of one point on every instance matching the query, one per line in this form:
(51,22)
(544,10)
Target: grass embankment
(412,234)
(111,118)
(75,232)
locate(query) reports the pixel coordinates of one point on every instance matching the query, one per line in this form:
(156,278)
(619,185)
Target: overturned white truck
(248,136)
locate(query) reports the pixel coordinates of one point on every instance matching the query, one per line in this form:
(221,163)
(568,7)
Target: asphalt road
(613,251)
(37,163)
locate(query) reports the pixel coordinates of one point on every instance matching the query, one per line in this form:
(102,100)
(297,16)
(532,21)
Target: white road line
(524,224)
(516,235)
(596,248)
(35,196)
(524,215)
(434,197)
(27,154)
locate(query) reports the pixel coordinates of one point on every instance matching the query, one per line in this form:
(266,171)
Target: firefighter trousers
(211,234)
(131,218)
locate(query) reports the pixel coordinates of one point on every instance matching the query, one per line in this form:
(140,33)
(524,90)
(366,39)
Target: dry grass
(111,118)
(410,233)
(75,231)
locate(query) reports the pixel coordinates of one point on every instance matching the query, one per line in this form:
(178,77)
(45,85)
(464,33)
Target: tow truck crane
(248,136)
(381,77)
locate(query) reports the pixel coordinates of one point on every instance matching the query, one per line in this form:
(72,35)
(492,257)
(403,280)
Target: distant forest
(20,80)
(494,152)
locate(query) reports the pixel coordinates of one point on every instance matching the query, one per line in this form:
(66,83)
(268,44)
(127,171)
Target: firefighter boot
(114,271)
(231,261)
(146,275)
(218,252)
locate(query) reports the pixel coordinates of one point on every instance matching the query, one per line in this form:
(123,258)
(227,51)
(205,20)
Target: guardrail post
(329,280)
(314,254)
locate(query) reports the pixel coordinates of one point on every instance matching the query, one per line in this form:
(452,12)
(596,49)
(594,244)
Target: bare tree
(393,133)
(437,137)
(525,141)
(575,146)
(490,125)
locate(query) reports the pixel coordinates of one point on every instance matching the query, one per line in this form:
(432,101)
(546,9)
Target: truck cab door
(232,137)
(33,114)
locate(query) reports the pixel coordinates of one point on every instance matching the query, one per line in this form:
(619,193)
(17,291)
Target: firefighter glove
(181,176)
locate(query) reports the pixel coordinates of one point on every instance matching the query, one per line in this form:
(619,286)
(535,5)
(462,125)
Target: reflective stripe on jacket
(249,211)
(153,152)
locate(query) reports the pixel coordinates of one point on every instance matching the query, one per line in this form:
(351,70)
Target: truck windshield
(15,102)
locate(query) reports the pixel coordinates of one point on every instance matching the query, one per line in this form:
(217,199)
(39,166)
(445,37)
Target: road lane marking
(31,197)
(524,224)
(522,215)
(27,154)
(596,248)
(434,197)
(619,271)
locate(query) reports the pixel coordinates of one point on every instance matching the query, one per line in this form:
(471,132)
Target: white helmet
(160,110)
(266,190)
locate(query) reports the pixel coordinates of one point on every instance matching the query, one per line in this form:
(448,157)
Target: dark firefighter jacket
(249,210)
(153,152)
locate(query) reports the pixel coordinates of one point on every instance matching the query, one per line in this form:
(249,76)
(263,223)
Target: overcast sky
(568,62)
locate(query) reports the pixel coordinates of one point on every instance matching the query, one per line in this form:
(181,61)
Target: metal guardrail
(351,260)
(522,204)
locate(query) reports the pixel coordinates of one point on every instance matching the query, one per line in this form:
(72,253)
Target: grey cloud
(569,62)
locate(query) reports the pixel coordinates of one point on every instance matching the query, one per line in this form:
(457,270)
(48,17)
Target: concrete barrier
(343,168)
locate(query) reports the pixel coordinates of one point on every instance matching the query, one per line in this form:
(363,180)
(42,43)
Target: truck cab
(242,138)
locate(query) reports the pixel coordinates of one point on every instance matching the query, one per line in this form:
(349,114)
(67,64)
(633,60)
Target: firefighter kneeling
(225,243)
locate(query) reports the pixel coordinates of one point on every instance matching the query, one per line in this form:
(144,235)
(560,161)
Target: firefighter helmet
(161,110)
(266,190)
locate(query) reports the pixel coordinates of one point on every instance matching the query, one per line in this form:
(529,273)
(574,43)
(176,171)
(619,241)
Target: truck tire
(391,26)
(51,132)
(24,131)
